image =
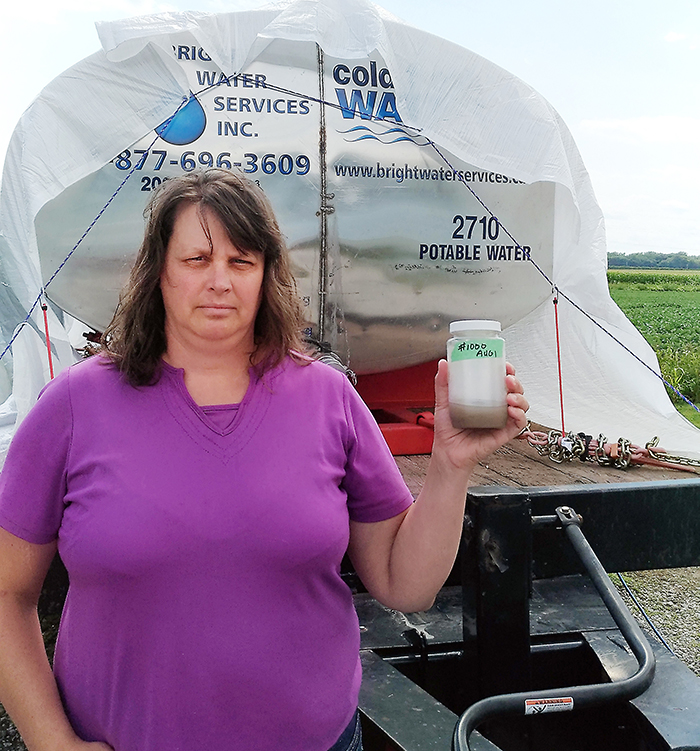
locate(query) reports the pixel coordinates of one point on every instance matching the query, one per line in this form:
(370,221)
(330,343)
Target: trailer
(529,647)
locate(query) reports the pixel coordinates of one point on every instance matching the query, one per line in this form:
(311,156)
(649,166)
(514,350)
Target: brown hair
(135,338)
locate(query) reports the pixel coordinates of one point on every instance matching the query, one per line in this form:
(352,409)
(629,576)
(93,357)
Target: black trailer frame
(520,612)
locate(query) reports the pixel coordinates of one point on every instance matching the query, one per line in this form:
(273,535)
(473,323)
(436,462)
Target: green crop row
(681,368)
(667,320)
(665,308)
(651,280)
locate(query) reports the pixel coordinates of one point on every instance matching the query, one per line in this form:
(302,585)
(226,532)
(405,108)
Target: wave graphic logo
(386,137)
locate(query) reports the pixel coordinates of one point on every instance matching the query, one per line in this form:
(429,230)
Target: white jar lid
(457,326)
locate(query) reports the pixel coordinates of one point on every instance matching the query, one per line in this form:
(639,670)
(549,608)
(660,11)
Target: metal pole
(575,696)
(324,209)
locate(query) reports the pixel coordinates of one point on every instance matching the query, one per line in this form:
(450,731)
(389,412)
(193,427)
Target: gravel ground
(671,599)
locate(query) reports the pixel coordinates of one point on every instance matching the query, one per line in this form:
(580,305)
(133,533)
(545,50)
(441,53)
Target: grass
(665,307)
(668,320)
(690,413)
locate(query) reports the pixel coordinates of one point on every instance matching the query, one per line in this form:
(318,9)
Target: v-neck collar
(195,422)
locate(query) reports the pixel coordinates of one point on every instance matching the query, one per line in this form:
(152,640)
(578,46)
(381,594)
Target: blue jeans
(351,738)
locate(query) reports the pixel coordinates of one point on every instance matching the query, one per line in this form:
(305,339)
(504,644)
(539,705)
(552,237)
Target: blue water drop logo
(186,125)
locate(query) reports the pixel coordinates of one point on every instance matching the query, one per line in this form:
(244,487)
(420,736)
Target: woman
(202,480)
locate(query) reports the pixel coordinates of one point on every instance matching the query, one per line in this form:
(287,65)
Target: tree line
(652,260)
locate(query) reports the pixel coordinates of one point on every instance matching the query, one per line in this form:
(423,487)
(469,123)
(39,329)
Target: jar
(477,375)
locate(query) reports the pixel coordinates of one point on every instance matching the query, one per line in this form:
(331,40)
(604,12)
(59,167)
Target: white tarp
(478,115)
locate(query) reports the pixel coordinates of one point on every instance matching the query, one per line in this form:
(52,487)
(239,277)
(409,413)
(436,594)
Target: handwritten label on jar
(477,349)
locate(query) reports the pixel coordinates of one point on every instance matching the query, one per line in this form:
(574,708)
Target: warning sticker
(558,704)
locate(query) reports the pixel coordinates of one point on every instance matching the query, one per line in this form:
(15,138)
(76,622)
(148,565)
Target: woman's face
(211,292)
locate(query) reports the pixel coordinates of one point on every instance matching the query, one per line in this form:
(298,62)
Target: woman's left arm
(403,561)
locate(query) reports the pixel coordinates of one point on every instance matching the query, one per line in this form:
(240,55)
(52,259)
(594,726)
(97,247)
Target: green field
(665,307)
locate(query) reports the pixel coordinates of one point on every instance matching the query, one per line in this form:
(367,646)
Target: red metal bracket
(402,402)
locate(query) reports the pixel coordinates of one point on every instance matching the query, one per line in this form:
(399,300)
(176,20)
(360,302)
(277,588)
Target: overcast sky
(623,74)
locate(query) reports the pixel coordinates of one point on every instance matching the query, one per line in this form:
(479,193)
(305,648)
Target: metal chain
(560,448)
(662,456)
(600,456)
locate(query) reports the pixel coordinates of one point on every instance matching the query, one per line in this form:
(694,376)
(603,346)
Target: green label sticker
(477,349)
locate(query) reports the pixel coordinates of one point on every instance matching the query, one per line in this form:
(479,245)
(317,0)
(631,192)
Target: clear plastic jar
(477,375)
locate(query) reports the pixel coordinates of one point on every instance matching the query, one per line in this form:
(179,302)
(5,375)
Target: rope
(644,614)
(561,380)
(37,301)
(272,87)
(44,308)
(566,297)
(65,261)
(437,150)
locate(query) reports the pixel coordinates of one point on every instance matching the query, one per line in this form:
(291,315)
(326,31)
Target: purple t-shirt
(205,607)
